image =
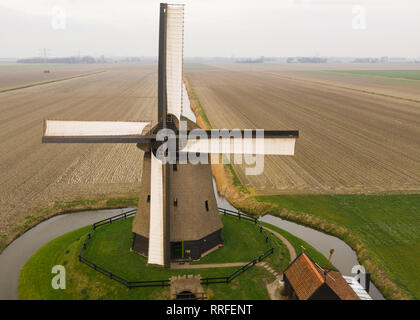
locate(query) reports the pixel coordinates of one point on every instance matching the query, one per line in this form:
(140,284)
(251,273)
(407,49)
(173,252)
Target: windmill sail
(251,142)
(92,131)
(277,146)
(174,58)
(156,232)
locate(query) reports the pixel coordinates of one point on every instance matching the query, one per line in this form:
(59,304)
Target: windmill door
(176,250)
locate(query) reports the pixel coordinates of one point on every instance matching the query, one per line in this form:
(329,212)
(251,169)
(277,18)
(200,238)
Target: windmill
(177,216)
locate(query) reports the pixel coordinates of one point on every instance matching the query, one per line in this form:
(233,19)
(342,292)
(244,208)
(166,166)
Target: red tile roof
(306,277)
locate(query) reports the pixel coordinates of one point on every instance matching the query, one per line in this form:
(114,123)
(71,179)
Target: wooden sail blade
(273,143)
(93,131)
(156,232)
(174,58)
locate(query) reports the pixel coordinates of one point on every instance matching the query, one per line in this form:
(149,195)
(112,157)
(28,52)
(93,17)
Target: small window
(207,205)
(175,167)
(148,198)
(176,202)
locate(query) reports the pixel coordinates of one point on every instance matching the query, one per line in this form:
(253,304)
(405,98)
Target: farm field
(350,141)
(402,84)
(18,75)
(35,175)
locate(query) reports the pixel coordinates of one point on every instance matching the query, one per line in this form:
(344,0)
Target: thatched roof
(191,185)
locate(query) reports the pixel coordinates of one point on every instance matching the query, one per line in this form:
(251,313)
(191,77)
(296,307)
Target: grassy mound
(109,248)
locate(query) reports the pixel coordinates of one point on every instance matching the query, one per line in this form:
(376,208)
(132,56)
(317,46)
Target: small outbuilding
(305,280)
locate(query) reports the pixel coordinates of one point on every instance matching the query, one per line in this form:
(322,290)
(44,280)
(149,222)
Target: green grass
(242,242)
(200,107)
(387,225)
(236,181)
(109,247)
(301,246)
(60,207)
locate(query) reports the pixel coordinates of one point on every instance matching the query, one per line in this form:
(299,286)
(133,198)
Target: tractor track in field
(50,81)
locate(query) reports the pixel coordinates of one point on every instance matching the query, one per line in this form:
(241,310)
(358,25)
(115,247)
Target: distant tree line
(307,60)
(250,60)
(371,60)
(81,60)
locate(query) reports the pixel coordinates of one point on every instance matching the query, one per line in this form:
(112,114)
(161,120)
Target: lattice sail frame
(174,58)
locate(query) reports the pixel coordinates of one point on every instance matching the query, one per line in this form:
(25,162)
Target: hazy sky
(213,27)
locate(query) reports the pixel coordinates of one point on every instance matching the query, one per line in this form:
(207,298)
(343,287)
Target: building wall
(192,249)
(290,293)
(324,293)
(140,244)
(198,247)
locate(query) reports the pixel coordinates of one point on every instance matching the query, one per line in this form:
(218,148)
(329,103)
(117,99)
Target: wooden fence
(166,282)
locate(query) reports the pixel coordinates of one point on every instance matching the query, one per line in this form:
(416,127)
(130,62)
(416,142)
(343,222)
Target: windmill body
(177,215)
(194,224)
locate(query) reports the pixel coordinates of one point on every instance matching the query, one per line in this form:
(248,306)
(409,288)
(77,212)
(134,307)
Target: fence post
(239,215)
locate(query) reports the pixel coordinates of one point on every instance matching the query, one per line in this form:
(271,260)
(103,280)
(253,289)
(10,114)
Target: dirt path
(176,266)
(289,246)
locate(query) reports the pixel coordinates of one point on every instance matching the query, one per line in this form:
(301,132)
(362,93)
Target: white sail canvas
(174,58)
(53,128)
(156,232)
